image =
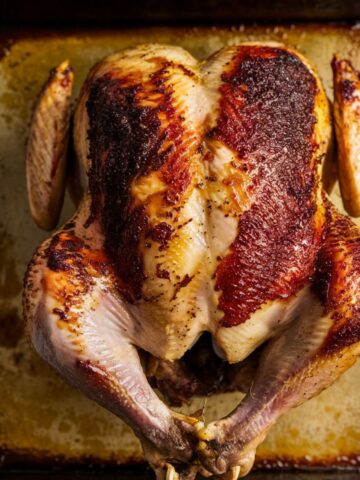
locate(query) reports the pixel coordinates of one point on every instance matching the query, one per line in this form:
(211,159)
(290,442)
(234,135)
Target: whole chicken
(203,225)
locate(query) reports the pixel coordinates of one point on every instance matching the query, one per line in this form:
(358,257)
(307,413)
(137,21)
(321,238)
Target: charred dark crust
(162,233)
(335,282)
(347,89)
(127,140)
(124,143)
(344,87)
(267,118)
(66,252)
(77,267)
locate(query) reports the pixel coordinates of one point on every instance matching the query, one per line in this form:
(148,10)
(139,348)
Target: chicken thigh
(204,212)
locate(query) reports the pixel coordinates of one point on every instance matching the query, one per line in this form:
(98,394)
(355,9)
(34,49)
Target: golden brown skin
(347,128)
(204,213)
(47,147)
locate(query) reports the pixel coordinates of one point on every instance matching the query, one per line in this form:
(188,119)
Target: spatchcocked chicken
(203,216)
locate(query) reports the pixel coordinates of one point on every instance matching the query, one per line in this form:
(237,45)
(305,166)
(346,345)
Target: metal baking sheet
(41,418)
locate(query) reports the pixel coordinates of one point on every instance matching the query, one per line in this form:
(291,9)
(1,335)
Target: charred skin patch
(162,234)
(182,284)
(72,270)
(346,86)
(336,282)
(129,140)
(347,89)
(267,119)
(124,142)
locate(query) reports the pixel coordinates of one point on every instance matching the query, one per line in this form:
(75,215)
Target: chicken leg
(86,334)
(315,349)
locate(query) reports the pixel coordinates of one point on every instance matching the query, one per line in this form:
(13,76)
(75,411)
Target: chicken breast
(181,157)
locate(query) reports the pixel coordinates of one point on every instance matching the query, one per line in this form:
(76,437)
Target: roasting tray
(43,422)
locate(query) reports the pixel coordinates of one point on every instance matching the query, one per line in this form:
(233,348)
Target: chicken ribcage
(204,213)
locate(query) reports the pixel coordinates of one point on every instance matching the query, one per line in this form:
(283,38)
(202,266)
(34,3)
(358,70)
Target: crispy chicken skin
(204,212)
(347,128)
(47,147)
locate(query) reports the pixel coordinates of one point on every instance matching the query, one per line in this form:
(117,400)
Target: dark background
(47,13)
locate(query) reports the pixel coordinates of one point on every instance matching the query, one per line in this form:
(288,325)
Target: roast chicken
(203,239)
